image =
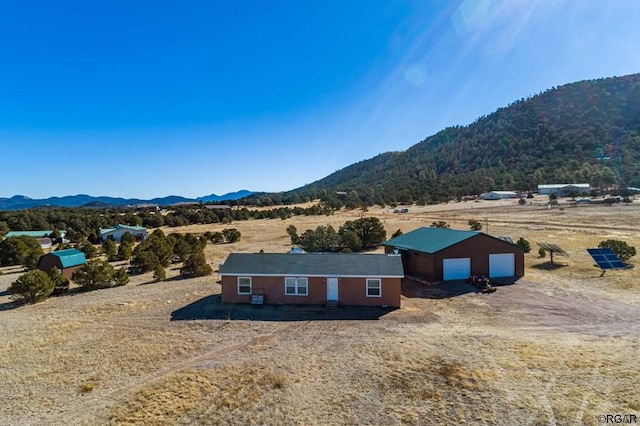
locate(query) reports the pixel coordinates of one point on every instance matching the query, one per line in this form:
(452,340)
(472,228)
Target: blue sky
(153,98)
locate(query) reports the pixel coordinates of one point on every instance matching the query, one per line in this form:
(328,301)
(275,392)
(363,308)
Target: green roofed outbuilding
(34,234)
(443,254)
(67,261)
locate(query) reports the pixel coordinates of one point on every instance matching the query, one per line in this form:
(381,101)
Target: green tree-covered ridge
(581,132)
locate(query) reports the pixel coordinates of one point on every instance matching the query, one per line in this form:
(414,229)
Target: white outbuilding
(116,233)
(498,195)
(564,189)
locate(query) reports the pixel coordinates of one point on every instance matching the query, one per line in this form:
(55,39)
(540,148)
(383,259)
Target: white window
(295,286)
(244,285)
(374,287)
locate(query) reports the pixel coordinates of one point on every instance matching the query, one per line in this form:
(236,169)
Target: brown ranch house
(67,261)
(442,254)
(312,279)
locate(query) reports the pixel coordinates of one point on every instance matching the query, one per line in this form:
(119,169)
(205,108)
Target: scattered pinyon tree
(31,287)
(620,248)
(475,224)
(97,274)
(196,266)
(524,244)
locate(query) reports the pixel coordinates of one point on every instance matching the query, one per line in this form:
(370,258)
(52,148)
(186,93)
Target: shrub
(127,237)
(293,234)
(542,252)
(89,250)
(86,387)
(475,224)
(60,282)
(125,250)
(196,266)
(232,235)
(145,261)
(98,274)
(120,277)
(620,248)
(439,224)
(396,234)
(110,249)
(31,287)
(217,238)
(159,274)
(524,244)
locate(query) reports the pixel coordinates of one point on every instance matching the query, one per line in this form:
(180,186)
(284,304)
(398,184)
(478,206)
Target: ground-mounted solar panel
(553,248)
(605,258)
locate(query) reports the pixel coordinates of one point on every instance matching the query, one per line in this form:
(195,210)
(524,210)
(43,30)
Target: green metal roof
(70,257)
(34,234)
(313,264)
(429,240)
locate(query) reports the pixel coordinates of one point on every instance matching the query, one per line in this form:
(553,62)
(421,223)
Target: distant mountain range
(583,132)
(18,202)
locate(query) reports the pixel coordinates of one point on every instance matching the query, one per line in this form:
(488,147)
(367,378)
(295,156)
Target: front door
(332,289)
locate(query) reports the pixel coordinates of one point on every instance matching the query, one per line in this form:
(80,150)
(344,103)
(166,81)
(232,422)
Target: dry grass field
(560,346)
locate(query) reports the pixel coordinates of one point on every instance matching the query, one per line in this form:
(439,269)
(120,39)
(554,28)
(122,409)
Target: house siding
(415,263)
(351,291)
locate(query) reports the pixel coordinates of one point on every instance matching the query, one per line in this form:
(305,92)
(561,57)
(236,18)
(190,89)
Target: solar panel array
(605,258)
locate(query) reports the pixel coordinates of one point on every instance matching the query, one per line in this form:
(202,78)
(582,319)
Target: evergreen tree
(60,282)
(196,266)
(623,250)
(97,274)
(21,250)
(110,249)
(524,244)
(31,287)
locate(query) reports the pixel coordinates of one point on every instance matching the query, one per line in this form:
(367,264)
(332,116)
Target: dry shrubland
(558,347)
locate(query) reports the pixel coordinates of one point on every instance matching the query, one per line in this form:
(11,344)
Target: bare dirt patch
(558,347)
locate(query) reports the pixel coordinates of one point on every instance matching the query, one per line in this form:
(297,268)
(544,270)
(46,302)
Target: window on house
(374,287)
(244,285)
(296,286)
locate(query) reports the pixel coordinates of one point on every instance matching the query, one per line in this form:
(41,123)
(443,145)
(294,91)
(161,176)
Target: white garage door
(456,269)
(502,265)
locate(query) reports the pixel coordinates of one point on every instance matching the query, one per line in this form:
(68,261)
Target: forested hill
(581,132)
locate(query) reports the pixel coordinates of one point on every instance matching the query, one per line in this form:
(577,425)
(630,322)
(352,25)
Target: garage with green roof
(443,254)
(67,261)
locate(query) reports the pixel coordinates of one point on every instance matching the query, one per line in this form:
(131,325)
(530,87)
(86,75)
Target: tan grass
(559,347)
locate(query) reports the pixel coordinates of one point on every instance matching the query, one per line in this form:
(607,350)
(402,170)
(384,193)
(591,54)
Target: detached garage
(67,261)
(443,254)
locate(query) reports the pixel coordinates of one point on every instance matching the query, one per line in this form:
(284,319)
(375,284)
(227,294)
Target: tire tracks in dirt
(79,411)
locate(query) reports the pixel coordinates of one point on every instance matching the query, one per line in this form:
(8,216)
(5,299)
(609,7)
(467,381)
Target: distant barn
(67,261)
(564,189)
